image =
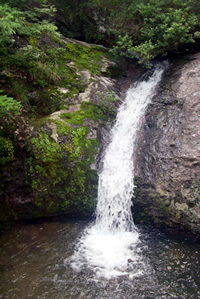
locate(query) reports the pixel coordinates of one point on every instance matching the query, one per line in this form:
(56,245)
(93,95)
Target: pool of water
(33,265)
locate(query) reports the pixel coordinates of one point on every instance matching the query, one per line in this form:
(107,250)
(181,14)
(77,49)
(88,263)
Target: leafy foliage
(19,41)
(145,29)
(165,27)
(14,21)
(11,20)
(9,109)
(108,102)
(8,106)
(68,180)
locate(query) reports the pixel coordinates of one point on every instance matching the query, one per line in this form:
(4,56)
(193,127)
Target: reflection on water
(32,265)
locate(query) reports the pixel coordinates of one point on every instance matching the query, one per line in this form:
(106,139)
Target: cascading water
(109,247)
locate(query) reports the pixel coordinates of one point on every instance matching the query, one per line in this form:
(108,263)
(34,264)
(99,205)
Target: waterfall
(109,247)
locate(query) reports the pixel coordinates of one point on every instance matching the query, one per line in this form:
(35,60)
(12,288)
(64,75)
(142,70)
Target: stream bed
(33,265)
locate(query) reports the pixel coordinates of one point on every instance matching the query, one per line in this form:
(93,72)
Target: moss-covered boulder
(51,167)
(60,173)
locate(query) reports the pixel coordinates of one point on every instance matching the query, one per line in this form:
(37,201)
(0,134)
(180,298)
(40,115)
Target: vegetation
(41,73)
(80,22)
(145,29)
(88,110)
(8,107)
(62,172)
(165,26)
(141,29)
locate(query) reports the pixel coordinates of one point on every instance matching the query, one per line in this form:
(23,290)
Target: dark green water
(32,265)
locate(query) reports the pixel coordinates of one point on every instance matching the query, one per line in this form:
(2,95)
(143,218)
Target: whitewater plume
(109,247)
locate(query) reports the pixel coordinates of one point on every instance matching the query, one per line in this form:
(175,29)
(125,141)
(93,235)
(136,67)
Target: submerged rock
(168,163)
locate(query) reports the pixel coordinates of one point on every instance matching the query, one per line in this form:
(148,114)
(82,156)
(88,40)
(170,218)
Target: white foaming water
(109,247)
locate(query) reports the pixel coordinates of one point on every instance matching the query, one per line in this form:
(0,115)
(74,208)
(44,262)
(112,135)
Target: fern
(8,106)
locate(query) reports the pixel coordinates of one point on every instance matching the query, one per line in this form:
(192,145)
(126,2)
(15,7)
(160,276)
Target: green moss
(57,174)
(60,174)
(88,111)
(38,69)
(61,65)
(62,128)
(86,57)
(6,150)
(38,122)
(33,41)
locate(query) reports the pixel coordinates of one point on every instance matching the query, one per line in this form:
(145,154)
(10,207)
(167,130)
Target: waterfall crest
(109,246)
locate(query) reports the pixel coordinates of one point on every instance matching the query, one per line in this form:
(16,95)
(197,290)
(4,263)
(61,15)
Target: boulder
(54,170)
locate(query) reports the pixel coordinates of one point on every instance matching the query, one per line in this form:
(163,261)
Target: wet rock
(63,90)
(105,64)
(100,83)
(168,163)
(85,76)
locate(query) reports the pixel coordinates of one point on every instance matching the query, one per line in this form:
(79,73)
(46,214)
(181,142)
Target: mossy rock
(60,174)
(56,176)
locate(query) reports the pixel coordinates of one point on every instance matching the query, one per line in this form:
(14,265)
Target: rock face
(168,163)
(56,171)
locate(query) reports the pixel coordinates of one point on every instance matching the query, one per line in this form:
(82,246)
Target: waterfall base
(109,247)
(108,254)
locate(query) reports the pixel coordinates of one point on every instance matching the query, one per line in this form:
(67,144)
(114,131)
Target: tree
(148,28)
